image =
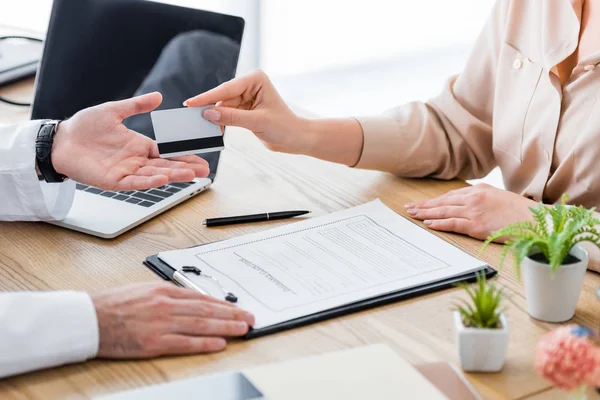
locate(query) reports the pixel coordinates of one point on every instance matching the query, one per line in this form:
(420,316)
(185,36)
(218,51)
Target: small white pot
(481,350)
(553,298)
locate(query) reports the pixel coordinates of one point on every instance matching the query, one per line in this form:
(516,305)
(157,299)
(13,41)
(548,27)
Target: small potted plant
(481,329)
(546,251)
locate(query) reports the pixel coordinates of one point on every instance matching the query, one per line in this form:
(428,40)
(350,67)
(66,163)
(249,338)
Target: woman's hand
(95,148)
(252,102)
(476,211)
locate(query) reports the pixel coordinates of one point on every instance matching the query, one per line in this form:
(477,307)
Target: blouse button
(589,67)
(517,64)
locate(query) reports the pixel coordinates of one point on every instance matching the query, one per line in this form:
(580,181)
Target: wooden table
(43,257)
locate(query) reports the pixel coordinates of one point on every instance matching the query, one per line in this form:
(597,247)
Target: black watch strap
(43,152)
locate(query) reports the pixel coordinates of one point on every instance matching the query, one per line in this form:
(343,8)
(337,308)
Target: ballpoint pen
(242,219)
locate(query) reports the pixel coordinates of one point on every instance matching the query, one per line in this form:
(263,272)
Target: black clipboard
(165,271)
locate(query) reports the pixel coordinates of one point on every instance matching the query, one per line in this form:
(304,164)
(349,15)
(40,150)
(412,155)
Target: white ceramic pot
(481,350)
(553,298)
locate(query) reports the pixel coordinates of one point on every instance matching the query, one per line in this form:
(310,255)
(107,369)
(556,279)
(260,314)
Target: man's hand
(95,148)
(150,320)
(476,211)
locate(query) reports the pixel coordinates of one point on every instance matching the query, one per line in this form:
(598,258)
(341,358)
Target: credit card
(182,131)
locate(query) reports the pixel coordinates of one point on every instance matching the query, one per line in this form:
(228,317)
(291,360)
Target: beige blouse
(508,109)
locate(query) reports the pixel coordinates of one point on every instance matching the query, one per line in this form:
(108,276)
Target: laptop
(18,58)
(104,50)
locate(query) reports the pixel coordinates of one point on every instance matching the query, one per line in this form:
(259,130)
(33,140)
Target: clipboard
(166,272)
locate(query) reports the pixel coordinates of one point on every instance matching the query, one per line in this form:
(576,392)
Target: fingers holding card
(183,131)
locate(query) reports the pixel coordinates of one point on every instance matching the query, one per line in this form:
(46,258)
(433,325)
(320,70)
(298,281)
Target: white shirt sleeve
(40,330)
(22,196)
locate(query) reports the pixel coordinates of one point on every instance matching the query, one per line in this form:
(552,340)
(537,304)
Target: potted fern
(548,254)
(480,328)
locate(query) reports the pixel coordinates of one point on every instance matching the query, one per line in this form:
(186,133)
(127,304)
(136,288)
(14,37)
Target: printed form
(324,262)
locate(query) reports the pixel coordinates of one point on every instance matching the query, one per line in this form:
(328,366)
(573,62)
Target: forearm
(415,140)
(335,140)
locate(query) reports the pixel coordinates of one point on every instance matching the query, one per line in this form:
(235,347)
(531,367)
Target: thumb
(227,116)
(136,105)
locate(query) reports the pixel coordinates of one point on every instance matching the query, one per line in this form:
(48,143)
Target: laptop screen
(104,50)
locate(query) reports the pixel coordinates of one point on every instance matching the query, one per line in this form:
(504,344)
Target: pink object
(569,358)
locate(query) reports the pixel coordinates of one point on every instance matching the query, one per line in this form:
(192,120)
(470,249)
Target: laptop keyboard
(142,198)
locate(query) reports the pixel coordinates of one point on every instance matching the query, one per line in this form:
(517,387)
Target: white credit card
(184,131)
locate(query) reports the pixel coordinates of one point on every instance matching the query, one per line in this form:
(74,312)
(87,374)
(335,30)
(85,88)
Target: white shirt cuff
(42,330)
(23,197)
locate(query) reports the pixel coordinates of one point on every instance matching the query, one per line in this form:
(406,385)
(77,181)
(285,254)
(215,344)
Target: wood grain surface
(37,256)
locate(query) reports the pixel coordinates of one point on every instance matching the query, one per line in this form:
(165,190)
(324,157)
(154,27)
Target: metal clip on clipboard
(182,280)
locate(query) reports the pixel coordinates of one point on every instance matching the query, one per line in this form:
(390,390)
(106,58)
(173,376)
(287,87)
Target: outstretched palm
(95,148)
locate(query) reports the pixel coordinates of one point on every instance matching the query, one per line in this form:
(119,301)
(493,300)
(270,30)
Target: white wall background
(33,15)
(304,35)
(299,36)
(337,57)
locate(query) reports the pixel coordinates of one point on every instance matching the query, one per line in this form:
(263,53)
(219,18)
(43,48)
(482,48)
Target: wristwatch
(43,153)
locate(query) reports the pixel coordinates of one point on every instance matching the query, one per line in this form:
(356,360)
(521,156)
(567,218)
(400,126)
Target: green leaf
(570,226)
(520,250)
(507,248)
(482,309)
(539,215)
